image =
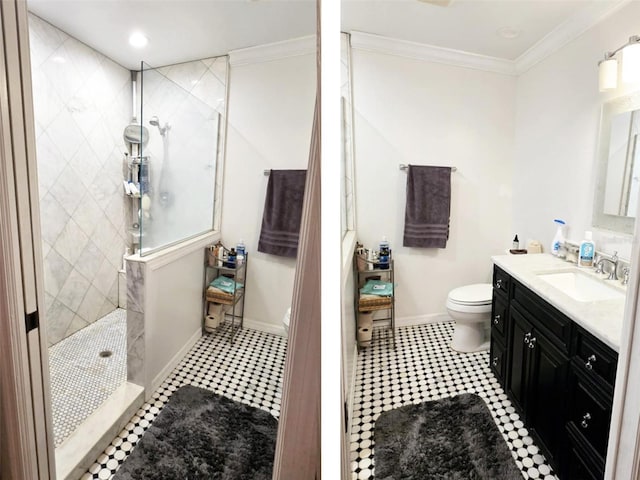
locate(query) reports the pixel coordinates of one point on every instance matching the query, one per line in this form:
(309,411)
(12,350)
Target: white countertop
(602,318)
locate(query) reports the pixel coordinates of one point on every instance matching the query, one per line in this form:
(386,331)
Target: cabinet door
(546,404)
(521,331)
(497,360)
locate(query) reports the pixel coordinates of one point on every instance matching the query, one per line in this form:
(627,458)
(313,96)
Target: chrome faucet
(613,275)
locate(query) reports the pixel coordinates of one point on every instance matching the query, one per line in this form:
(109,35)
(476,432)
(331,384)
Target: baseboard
(422,319)
(78,452)
(173,363)
(264,327)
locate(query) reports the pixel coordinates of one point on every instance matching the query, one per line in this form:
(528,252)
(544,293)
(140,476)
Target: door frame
(26,424)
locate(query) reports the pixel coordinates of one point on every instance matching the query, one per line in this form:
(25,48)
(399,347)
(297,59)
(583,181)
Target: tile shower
(82,102)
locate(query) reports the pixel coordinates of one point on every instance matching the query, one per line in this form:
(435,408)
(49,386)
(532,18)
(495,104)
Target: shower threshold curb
(75,455)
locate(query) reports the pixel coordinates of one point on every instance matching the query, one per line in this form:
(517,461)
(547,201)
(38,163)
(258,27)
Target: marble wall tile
(77,323)
(53,218)
(135,286)
(56,271)
(91,304)
(58,319)
(105,277)
(73,291)
(90,261)
(71,242)
(68,190)
(87,214)
(135,347)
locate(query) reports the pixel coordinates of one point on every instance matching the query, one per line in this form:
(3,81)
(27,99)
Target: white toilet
(285,321)
(470,307)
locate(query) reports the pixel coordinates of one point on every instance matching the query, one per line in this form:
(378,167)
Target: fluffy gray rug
(453,438)
(200,435)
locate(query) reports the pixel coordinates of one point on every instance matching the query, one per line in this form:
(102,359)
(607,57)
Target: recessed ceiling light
(138,40)
(509,32)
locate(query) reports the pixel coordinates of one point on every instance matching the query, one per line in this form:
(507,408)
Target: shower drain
(105,353)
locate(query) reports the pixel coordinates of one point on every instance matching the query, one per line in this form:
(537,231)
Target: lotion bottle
(587,251)
(558,239)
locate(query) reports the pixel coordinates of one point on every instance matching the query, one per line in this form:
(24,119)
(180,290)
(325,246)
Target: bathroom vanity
(555,333)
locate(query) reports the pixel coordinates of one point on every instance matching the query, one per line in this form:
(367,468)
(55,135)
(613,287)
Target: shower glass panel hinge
(32,320)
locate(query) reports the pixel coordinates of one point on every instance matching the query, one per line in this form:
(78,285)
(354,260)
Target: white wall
(270,117)
(415,112)
(557,127)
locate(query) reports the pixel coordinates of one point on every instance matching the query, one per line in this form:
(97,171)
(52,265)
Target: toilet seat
(478,294)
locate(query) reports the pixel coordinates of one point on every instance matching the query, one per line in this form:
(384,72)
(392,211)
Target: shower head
(155,121)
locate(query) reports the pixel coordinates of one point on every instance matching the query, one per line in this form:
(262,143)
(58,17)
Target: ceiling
(184,30)
(178,30)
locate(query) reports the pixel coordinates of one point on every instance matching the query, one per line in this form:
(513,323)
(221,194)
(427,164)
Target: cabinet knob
(532,343)
(585,420)
(499,283)
(527,338)
(590,361)
(496,319)
(494,362)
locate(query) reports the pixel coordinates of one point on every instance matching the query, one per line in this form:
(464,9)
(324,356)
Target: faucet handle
(599,267)
(625,275)
(614,257)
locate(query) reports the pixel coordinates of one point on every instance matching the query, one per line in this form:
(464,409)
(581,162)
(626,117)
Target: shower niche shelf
(229,306)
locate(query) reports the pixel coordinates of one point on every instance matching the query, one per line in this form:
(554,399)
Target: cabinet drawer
(589,410)
(581,462)
(501,281)
(498,359)
(595,358)
(555,324)
(499,312)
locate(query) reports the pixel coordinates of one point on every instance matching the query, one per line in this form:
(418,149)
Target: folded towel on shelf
(226,284)
(377,287)
(428,206)
(282,213)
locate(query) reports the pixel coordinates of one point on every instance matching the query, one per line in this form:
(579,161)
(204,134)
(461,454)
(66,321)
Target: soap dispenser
(587,251)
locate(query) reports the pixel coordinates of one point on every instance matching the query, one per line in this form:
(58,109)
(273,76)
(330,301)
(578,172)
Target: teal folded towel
(226,284)
(377,287)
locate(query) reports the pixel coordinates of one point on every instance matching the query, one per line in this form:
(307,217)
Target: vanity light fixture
(608,67)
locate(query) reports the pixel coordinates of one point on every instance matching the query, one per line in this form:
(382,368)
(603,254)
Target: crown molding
(567,31)
(273,51)
(404,48)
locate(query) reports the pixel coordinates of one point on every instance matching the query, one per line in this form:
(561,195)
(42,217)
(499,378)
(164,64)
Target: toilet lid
(476,294)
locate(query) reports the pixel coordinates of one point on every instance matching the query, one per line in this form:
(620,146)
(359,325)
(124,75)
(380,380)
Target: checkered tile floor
(423,367)
(248,371)
(81,379)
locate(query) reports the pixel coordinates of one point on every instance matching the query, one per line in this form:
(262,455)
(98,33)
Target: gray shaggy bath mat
(450,439)
(200,435)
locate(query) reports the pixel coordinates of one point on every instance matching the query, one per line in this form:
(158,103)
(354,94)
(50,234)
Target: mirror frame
(600,219)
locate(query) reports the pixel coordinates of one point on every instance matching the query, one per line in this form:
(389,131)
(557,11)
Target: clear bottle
(587,251)
(558,239)
(240,252)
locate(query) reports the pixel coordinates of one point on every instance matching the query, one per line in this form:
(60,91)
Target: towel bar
(406,167)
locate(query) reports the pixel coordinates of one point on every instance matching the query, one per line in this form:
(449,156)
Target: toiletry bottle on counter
(383,256)
(587,251)
(516,243)
(240,252)
(558,239)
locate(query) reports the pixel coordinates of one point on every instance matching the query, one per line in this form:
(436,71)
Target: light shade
(138,40)
(608,74)
(631,63)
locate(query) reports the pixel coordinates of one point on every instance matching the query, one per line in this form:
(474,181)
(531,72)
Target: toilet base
(469,338)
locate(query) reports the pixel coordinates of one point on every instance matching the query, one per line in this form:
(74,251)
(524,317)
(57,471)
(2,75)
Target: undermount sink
(581,286)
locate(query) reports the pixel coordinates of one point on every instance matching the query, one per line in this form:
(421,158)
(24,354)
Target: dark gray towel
(426,218)
(282,213)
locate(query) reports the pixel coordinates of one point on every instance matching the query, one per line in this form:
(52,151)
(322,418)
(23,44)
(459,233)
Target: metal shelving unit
(386,322)
(234,313)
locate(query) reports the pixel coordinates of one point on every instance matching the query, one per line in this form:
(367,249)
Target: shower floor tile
(422,367)
(80,378)
(248,371)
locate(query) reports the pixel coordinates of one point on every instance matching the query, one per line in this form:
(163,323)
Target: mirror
(618,169)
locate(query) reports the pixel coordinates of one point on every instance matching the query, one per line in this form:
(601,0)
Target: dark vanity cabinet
(558,376)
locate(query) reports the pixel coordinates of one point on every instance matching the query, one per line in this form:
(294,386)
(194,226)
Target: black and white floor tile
(248,370)
(85,368)
(423,367)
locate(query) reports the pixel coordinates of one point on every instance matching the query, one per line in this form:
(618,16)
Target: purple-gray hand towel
(282,213)
(428,206)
